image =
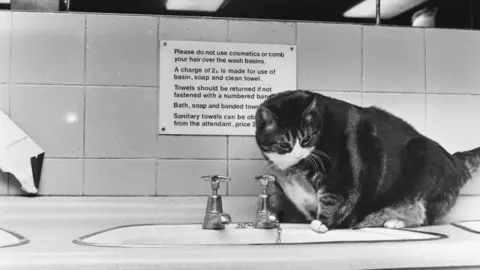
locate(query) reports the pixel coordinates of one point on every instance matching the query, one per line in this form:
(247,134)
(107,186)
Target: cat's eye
(284,145)
(306,139)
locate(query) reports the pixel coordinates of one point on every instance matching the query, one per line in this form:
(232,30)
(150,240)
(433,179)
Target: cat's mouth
(283,161)
(309,156)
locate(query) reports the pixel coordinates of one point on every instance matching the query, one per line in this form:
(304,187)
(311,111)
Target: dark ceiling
(452,14)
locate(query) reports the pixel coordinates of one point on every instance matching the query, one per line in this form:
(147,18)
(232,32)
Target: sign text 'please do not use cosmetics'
(214,88)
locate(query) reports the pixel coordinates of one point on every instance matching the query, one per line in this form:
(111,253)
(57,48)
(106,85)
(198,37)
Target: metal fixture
(215,219)
(264,218)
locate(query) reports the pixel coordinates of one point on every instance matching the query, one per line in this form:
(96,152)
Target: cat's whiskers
(318,159)
(321,153)
(308,161)
(311,160)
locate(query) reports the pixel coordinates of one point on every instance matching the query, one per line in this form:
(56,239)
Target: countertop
(51,223)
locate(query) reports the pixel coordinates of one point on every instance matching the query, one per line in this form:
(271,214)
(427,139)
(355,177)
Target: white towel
(16,151)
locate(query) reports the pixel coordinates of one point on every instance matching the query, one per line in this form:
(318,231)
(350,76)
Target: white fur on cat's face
(284,161)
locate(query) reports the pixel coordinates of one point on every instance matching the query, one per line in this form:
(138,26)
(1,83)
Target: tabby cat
(344,166)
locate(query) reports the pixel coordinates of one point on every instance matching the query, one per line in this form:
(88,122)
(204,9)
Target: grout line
(227,162)
(228,31)
(425,77)
(89,85)
(134,197)
(296,34)
(361,62)
(84,104)
(454,94)
(394,93)
(10,66)
(157,108)
(146,158)
(116,158)
(9,176)
(227,189)
(296,56)
(397,92)
(154,158)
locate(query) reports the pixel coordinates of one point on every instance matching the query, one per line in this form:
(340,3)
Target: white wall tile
(261,32)
(52,116)
(203,147)
(183,177)
(193,29)
(61,177)
(48,48)
(329,56)
(393,59)
(350,97)
(5,37)
(243,174)
(5,98)
(122,50)
(121,122)
(453,61)
(409,107)
(243,147)
(452,120)
(121,177)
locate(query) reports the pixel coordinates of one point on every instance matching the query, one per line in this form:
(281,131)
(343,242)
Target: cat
(339,165)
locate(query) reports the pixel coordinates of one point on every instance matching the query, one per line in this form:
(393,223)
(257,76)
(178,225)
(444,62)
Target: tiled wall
(85,87)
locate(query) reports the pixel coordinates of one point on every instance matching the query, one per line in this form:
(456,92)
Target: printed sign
(214,88)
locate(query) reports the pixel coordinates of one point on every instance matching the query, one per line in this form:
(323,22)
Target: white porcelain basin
(193,235)
(9,239)
(469,225)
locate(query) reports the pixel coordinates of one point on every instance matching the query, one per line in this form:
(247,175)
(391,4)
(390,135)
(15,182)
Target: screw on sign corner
(163,129)
(291,48)
(164,43)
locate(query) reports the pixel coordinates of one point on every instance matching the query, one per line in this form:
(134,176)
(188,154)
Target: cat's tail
(471,159)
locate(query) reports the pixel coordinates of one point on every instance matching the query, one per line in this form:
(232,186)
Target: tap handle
(216,179)
(265,179)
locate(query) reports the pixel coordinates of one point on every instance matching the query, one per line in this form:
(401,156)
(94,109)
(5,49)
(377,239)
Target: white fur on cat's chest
(296,187)
(305,200)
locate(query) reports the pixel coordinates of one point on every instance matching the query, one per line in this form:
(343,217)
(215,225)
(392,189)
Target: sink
(10,239)
(469,225)
(155,235)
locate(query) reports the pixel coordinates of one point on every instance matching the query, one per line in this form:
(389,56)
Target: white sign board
(214,88)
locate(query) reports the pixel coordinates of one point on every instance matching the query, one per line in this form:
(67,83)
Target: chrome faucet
(264,218)
(215,219)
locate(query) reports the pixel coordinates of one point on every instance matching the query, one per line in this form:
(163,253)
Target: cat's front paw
(318,226)
(394,224)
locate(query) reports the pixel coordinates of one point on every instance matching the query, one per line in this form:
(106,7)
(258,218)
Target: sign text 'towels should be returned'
(214,88)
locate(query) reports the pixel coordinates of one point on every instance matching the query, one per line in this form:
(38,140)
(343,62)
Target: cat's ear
(312,110)
(265,119)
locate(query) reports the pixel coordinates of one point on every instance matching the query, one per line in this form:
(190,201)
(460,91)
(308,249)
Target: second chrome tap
(264,218)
